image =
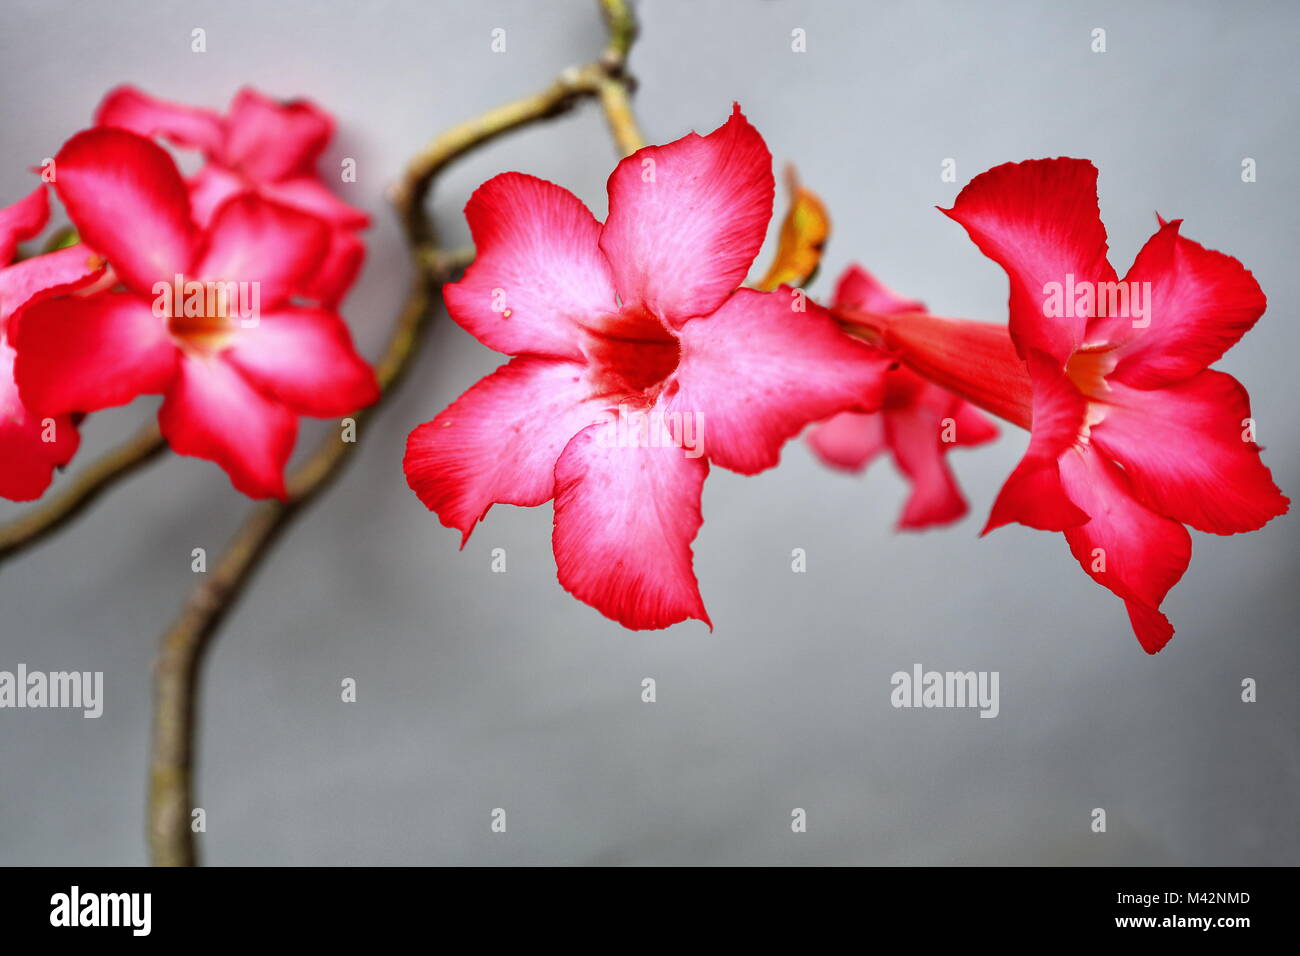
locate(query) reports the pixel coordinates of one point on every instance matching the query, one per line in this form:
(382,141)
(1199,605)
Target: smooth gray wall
(481,690)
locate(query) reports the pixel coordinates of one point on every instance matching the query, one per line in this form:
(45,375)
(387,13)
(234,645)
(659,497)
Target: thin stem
(56,511)
(616,101)
(622,27)
(176,674)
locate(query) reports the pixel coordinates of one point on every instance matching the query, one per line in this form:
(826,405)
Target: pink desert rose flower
(234,383)
(918,422)
(32,447)
(260,146)
(640,316)
(1132,436)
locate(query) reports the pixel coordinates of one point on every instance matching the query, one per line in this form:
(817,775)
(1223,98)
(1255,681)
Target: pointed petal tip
(1150,626)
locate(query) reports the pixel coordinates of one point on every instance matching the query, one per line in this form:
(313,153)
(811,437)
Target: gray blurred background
(479,690)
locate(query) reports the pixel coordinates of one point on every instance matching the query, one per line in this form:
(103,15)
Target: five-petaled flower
(918,422)
(260,146)
(234,384)
(32,447)
(1132,436)
(640,316)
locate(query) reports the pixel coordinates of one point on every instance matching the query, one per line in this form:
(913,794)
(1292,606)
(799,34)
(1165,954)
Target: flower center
(200,316)
(1087,369)
(633,355)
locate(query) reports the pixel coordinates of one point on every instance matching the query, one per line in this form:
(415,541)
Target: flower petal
(498,443)
(923,423)
(1039,220)
(252,240)
(337,271)
(538,272)
(1186,452)
(189,127)
(687,219)
(22,220)
(859,289)
(210,188)
(82,354)
(1124,546)
(127,200)
(310,195)
(758,370)
(973,427)
(29,460)
(48,274)
(212,412)
(849,440)
(1200,303)
(269,140)
(915,436)
(1033,494)
(624,521)
(304,359)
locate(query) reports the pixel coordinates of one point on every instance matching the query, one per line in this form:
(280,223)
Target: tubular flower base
(1132,436)
(640,363)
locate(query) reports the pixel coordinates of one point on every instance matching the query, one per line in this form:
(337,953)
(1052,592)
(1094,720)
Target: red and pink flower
(234,380)
(918,421)
(1132,436)
(260,146)
(639,362)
